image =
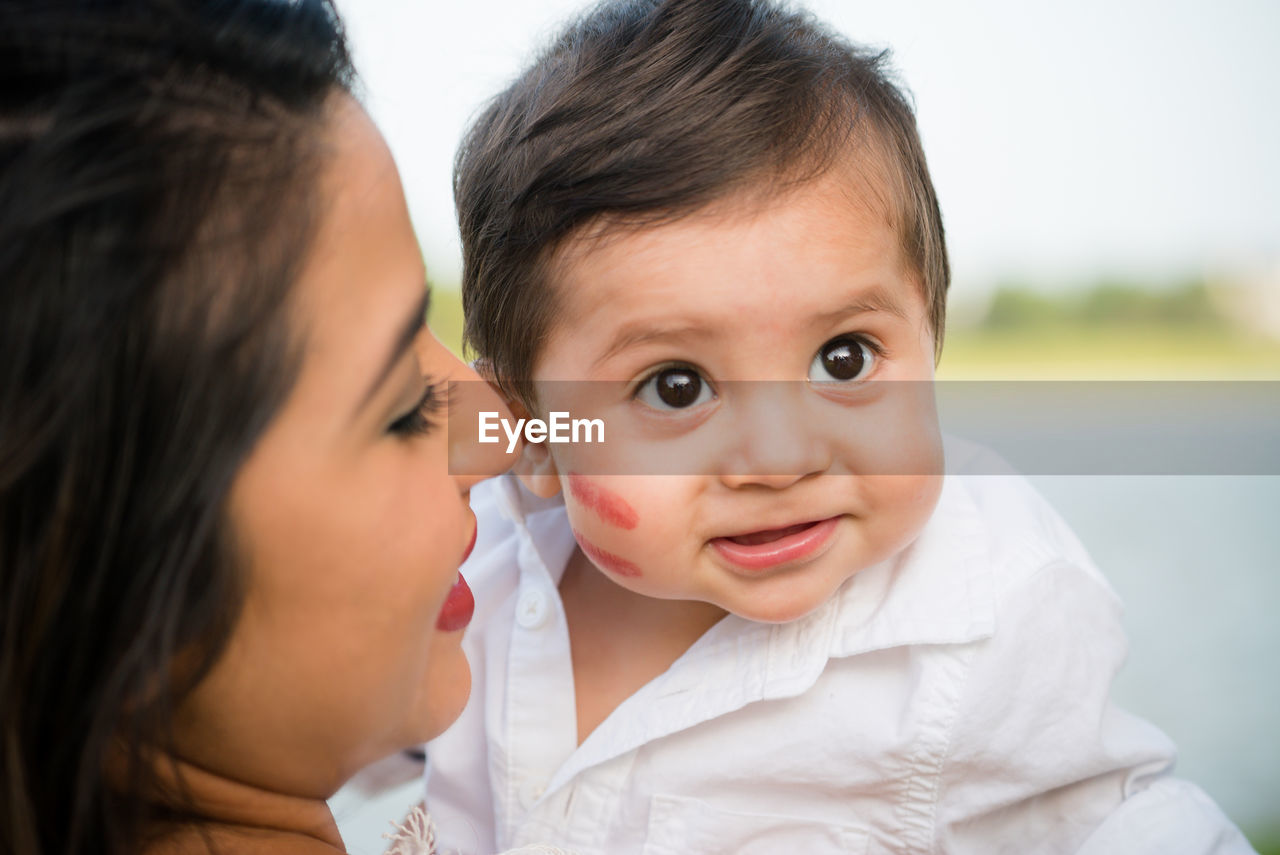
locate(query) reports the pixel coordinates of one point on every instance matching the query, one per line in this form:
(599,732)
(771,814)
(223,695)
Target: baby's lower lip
(764,550)
(458,607)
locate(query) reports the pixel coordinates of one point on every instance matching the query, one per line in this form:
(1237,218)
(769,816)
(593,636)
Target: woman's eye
(674,389)
(841,360)
(422,418)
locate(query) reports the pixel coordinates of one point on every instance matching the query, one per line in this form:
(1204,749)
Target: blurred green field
(1266,844)
(445,316)
(1137,352)
(1112,331)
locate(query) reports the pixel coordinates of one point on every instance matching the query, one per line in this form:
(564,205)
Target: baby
(758,618)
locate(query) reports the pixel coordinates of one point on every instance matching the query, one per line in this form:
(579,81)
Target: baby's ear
(535,467)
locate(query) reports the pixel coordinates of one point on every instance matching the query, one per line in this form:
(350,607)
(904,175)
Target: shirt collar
(542,523)
(937,591)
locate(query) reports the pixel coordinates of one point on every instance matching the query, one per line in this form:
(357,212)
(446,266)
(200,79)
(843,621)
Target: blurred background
(1110,183)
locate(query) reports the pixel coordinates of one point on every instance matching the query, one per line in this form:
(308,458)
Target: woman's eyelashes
(675,387)
(844,359)
(422,418)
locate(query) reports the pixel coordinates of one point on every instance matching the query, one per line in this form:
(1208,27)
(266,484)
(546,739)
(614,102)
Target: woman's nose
(470,399)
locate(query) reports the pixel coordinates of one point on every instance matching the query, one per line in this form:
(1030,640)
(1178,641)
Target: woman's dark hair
(643,111)
(158,160)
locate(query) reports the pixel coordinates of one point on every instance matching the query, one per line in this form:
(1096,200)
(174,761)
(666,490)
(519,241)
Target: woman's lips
(458,607)
(763,550)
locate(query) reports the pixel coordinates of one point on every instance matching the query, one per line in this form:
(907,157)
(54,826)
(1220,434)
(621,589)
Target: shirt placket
(541,720)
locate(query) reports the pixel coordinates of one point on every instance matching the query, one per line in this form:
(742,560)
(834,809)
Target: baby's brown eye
(841,360)
(678,388)
(673,389)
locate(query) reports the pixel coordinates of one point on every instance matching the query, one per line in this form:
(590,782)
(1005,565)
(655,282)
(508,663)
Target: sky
(1067,141)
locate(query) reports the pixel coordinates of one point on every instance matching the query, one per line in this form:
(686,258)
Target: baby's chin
(775,614)
(782,604)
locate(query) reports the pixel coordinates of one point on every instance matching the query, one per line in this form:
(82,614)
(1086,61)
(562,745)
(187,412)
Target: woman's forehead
(365,275)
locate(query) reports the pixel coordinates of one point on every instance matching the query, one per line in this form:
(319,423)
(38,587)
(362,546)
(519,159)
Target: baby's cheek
(606,560)
(626,524)
(610,507)
(904,505)
(602,519)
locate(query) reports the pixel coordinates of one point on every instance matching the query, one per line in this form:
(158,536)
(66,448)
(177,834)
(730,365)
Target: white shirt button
(532,609)
(530,793)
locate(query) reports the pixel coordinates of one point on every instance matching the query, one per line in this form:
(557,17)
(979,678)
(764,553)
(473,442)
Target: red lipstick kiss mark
(609,506)
(613,563)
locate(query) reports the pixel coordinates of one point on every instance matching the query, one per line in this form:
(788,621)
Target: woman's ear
(535,467)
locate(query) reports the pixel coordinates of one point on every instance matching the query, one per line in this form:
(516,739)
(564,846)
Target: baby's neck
(620,640)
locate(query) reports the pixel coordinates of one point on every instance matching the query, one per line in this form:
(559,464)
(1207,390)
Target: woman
(229,538)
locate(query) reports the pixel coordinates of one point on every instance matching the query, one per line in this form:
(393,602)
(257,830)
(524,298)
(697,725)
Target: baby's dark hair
(643,111)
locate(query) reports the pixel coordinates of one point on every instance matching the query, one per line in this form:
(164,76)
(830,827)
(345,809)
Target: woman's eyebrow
(409,329)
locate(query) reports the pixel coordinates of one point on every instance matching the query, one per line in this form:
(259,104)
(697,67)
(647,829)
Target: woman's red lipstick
(458,607)
(460,604)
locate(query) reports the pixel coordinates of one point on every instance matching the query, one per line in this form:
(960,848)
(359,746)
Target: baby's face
(748,349)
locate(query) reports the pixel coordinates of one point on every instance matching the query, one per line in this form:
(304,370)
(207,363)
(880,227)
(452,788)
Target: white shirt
(953,699)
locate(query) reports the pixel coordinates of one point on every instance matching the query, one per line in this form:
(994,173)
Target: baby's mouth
(755,538)
(756,552)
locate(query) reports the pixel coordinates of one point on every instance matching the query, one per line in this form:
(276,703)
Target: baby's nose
(776,441)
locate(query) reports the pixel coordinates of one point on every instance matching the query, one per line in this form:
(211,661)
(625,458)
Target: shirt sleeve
(1041,761)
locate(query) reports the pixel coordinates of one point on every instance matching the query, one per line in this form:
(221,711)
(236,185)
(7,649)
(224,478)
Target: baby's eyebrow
(871,300)
(635,334)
